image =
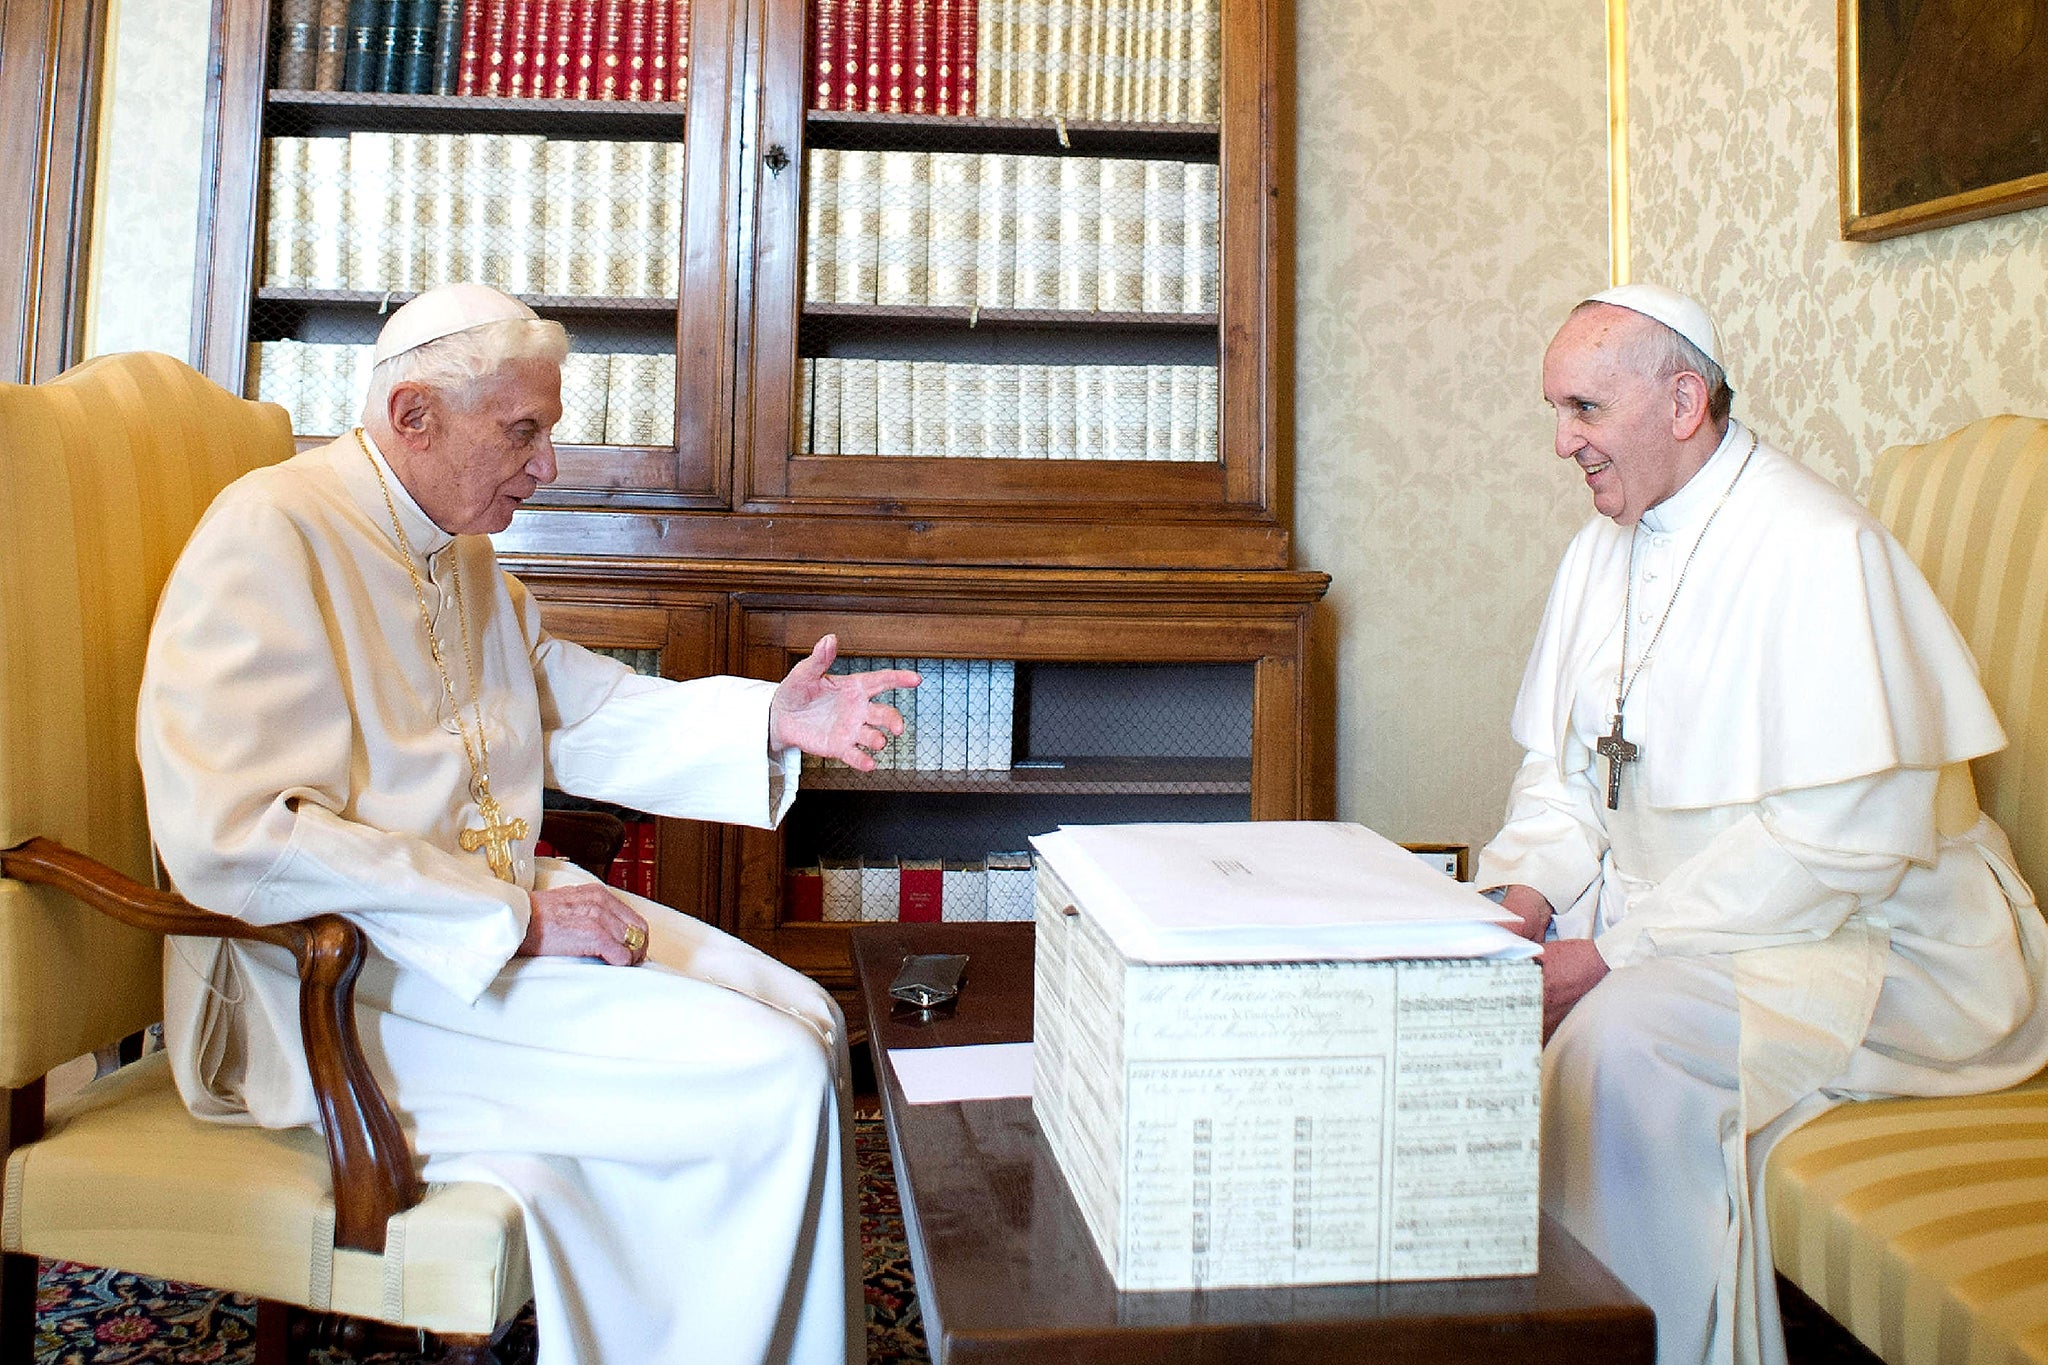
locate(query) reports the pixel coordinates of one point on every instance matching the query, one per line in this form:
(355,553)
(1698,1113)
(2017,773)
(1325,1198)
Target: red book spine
(469,75)
(583,52)
(543,849)
(645,864)
(825,54)
(497,17)
(679,52)
(920,894)
(918,100)
(633,63)
(803,895)
(871,57)
(853,27)
(518,48)
(619,873)
(964,54)
(945,41)
(540,38)
(658,26)
(895,55)
(560,50)
(611,49)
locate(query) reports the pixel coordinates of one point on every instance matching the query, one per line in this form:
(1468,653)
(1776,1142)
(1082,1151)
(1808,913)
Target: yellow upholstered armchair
(106,470)
(1922,1224)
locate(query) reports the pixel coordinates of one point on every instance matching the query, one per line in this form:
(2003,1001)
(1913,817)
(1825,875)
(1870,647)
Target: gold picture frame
(1941,106)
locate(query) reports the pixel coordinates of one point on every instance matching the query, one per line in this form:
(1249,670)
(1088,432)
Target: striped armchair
(1921,1225)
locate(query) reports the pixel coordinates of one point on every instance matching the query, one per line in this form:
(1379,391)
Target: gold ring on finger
(636,938)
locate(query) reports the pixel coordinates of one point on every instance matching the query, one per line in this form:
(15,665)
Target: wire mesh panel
(995,751)
(1011,231)
(532,145)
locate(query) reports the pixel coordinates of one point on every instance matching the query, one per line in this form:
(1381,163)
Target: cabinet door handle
(777,159)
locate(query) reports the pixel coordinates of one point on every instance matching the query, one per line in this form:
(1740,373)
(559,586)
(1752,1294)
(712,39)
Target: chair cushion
(125,1177)
(1921,1225)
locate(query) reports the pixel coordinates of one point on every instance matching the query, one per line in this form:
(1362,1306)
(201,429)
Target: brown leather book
(917,73)
(331,54)
(519,47)
(679,52)
(964,43)
(633,57)
(853,61)
(873,55)
(611,49)
(583,52)
(895,55)
(494,66)
(296,44)
(660,19)
(825,54)
(469,70)
(945,52)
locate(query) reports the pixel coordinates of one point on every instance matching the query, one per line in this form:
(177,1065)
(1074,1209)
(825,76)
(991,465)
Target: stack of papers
(1272,891)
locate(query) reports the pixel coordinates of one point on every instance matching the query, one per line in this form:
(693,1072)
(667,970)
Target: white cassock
(675,1133)
(1798,898)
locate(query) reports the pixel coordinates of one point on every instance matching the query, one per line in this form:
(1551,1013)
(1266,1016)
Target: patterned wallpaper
(1451,205)
(1837,349)
(146,218)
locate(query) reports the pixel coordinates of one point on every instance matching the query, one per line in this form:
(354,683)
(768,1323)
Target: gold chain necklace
(498,832)
(1611,746)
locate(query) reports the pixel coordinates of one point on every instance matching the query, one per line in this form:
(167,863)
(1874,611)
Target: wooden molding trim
(50,59)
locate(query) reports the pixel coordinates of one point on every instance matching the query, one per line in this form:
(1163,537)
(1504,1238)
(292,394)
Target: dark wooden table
(1006,1271)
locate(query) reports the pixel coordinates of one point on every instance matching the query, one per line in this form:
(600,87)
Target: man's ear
(1688,404)
(410,409)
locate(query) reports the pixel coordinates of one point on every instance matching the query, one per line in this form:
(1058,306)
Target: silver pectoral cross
(1616,751)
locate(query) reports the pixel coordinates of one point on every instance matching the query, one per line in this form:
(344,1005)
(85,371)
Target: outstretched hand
(835,715)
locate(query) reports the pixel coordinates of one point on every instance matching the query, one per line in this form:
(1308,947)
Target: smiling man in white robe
(1745,822)
(347,707)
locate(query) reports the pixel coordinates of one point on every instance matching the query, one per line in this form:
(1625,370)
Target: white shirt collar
(1693,502)
(426,535)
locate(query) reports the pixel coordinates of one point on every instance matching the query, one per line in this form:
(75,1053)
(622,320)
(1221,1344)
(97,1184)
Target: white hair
(454,365)
(1662,351)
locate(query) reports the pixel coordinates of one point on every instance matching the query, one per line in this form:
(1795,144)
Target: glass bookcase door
(545,157)
(997,266)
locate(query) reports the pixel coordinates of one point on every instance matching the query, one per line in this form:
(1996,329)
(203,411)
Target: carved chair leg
(274,1334)
(466,1350)
(18,1310)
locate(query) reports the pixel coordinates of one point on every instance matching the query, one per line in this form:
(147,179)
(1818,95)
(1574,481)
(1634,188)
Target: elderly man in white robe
(347,707)
(1745,823)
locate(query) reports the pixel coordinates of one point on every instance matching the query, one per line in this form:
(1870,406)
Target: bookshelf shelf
(1076,777)
(957,317)
(954,133)
(329,112)
(380,299)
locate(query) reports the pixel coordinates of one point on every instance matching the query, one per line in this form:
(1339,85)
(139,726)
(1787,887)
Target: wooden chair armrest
(367,1154)
(591,839)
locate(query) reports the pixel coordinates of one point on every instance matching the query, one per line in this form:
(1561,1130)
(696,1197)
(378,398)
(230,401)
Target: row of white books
(607,399)
(1104,234)
(1151,61)
(997,888)
(933,409)
(528,215)
(959,718)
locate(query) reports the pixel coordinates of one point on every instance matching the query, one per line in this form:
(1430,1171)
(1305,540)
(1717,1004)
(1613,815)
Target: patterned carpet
(106,1317)
(103,1317)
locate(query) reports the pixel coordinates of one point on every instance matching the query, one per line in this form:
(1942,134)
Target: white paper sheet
(1271,891)
(944,1075)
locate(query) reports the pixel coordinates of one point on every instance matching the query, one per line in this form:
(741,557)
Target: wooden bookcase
(732,550)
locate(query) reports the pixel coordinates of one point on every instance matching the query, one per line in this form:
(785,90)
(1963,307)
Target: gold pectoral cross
(1612,747)
(496,837)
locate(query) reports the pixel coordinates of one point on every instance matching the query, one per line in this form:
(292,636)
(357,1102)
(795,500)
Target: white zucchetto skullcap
(444,311)
(1671,308)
